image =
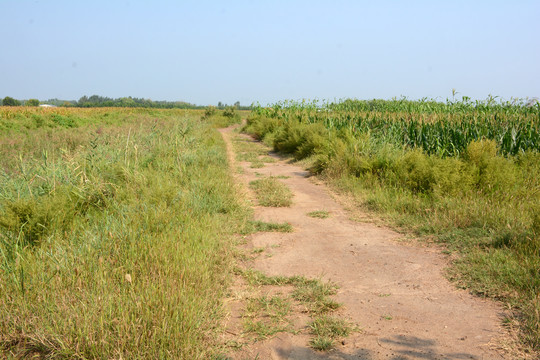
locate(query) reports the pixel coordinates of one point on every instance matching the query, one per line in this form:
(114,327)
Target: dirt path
(396,293)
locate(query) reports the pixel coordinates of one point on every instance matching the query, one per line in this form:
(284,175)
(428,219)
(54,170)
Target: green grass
(267,315)
(320,214)
(316,295)
(322,343)
(115,237)
(271,192)
(253,226)
(256,165)
(252,151)
(326,330)
(313,295)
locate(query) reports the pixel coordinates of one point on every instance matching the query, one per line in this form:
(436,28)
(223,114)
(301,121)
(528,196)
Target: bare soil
(394,291)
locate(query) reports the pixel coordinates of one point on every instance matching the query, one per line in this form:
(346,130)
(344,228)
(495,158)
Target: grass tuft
(320,214)
(326,330)
(322,343)
(260,226)
(271,192)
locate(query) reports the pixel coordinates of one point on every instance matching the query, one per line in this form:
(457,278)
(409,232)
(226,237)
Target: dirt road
(394,292)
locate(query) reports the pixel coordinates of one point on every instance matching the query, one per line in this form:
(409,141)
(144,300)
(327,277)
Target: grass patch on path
(313,295)
(320,214)
(271,192)
(254,226)
(327,330)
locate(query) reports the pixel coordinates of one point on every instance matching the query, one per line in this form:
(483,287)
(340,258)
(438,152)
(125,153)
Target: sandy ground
(394,291)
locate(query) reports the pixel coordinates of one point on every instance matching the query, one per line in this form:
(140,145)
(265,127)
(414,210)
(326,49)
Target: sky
(205,52)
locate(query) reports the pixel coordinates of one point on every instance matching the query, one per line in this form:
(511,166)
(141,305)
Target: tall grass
(466,175)
(114,237)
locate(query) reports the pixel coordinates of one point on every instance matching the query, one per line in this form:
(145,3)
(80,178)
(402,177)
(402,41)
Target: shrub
(479,152)
(300,139)
(230,112)
(452,176)
(262,127)
(209,111)
(417,172)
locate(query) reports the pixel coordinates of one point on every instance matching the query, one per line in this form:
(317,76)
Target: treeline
(103,101)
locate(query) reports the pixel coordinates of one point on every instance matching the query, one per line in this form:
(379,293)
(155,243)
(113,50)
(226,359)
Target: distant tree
(220,104)
(126,101)
(237,104)
(32,102)
(9,101)
(82,101)
(101,101)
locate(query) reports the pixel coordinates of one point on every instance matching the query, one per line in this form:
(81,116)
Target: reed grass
(115,234)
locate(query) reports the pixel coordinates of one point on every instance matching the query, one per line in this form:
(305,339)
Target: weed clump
(327,329)
(271,192)
(261,226)
(321,214)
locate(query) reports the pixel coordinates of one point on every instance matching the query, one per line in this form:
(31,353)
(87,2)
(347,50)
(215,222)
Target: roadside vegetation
(462,174)
(270,313)
(115,233)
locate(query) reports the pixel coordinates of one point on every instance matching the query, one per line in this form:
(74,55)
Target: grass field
(115,229)
(465,175)
(116,225)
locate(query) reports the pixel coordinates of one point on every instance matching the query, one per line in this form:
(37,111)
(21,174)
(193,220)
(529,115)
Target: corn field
(444,129)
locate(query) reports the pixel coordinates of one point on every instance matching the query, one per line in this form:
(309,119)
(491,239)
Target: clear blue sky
(209,51)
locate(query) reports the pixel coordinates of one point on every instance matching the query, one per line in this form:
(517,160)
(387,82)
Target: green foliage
(210,110)
(230,112)
(261,128)
(300,139)
(417,172)
(9,101)
(103,101)
(32,102)
(222,118)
